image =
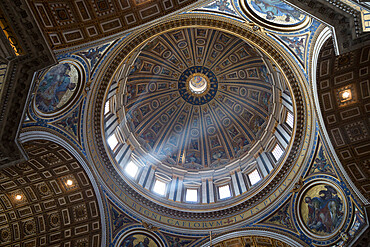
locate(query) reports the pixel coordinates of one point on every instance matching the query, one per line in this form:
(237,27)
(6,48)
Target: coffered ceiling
(75,22)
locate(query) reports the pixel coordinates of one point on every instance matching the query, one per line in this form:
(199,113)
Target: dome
(198,99)
(198,106)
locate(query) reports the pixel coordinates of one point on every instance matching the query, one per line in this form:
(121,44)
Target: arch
(44,135)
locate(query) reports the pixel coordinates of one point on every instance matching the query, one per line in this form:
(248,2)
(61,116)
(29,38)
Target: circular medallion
(140,238)
(164,118)
(29,227)
(242,74)
(152,87)
(182,45)
(178,128)
(167,54)
(54,220)
(195,132)
(226,122)
(211,130)
(243,92)
(58,88)
(218,47)
(233,58)
(156,69)
(5,234)
(322,209)
(237,108)
(200,42)
(155,104)
(275,14)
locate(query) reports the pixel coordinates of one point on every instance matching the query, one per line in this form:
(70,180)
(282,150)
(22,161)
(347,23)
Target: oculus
(198,83)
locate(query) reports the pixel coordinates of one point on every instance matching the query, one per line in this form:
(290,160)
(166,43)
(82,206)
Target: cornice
(344,21)
(21,68)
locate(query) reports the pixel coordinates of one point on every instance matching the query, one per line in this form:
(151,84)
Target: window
(191,195)
(112,141)
(106,107)
(224,191)
(290,119)
(254,177)
(277,152)
(159,187)
(131,169)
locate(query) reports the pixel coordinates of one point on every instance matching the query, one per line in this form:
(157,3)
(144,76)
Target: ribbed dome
(203,129)
(198,118)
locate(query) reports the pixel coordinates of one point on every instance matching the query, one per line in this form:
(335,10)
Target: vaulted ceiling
(347,119)
(50,210)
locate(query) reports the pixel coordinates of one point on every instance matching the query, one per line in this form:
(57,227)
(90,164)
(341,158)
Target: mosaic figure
(193,157)
(276,11)
(119,219)
(94,54)
(169,154)
(57,87)
(297,44)
(264,74)
(70,123)
(241,146)
(136,66)
(222,6)
(149,138)
(321,164)
(218,158)
(138,240)
(282,217)
(177,242)
(322,209)
(265,97)
(257,124)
